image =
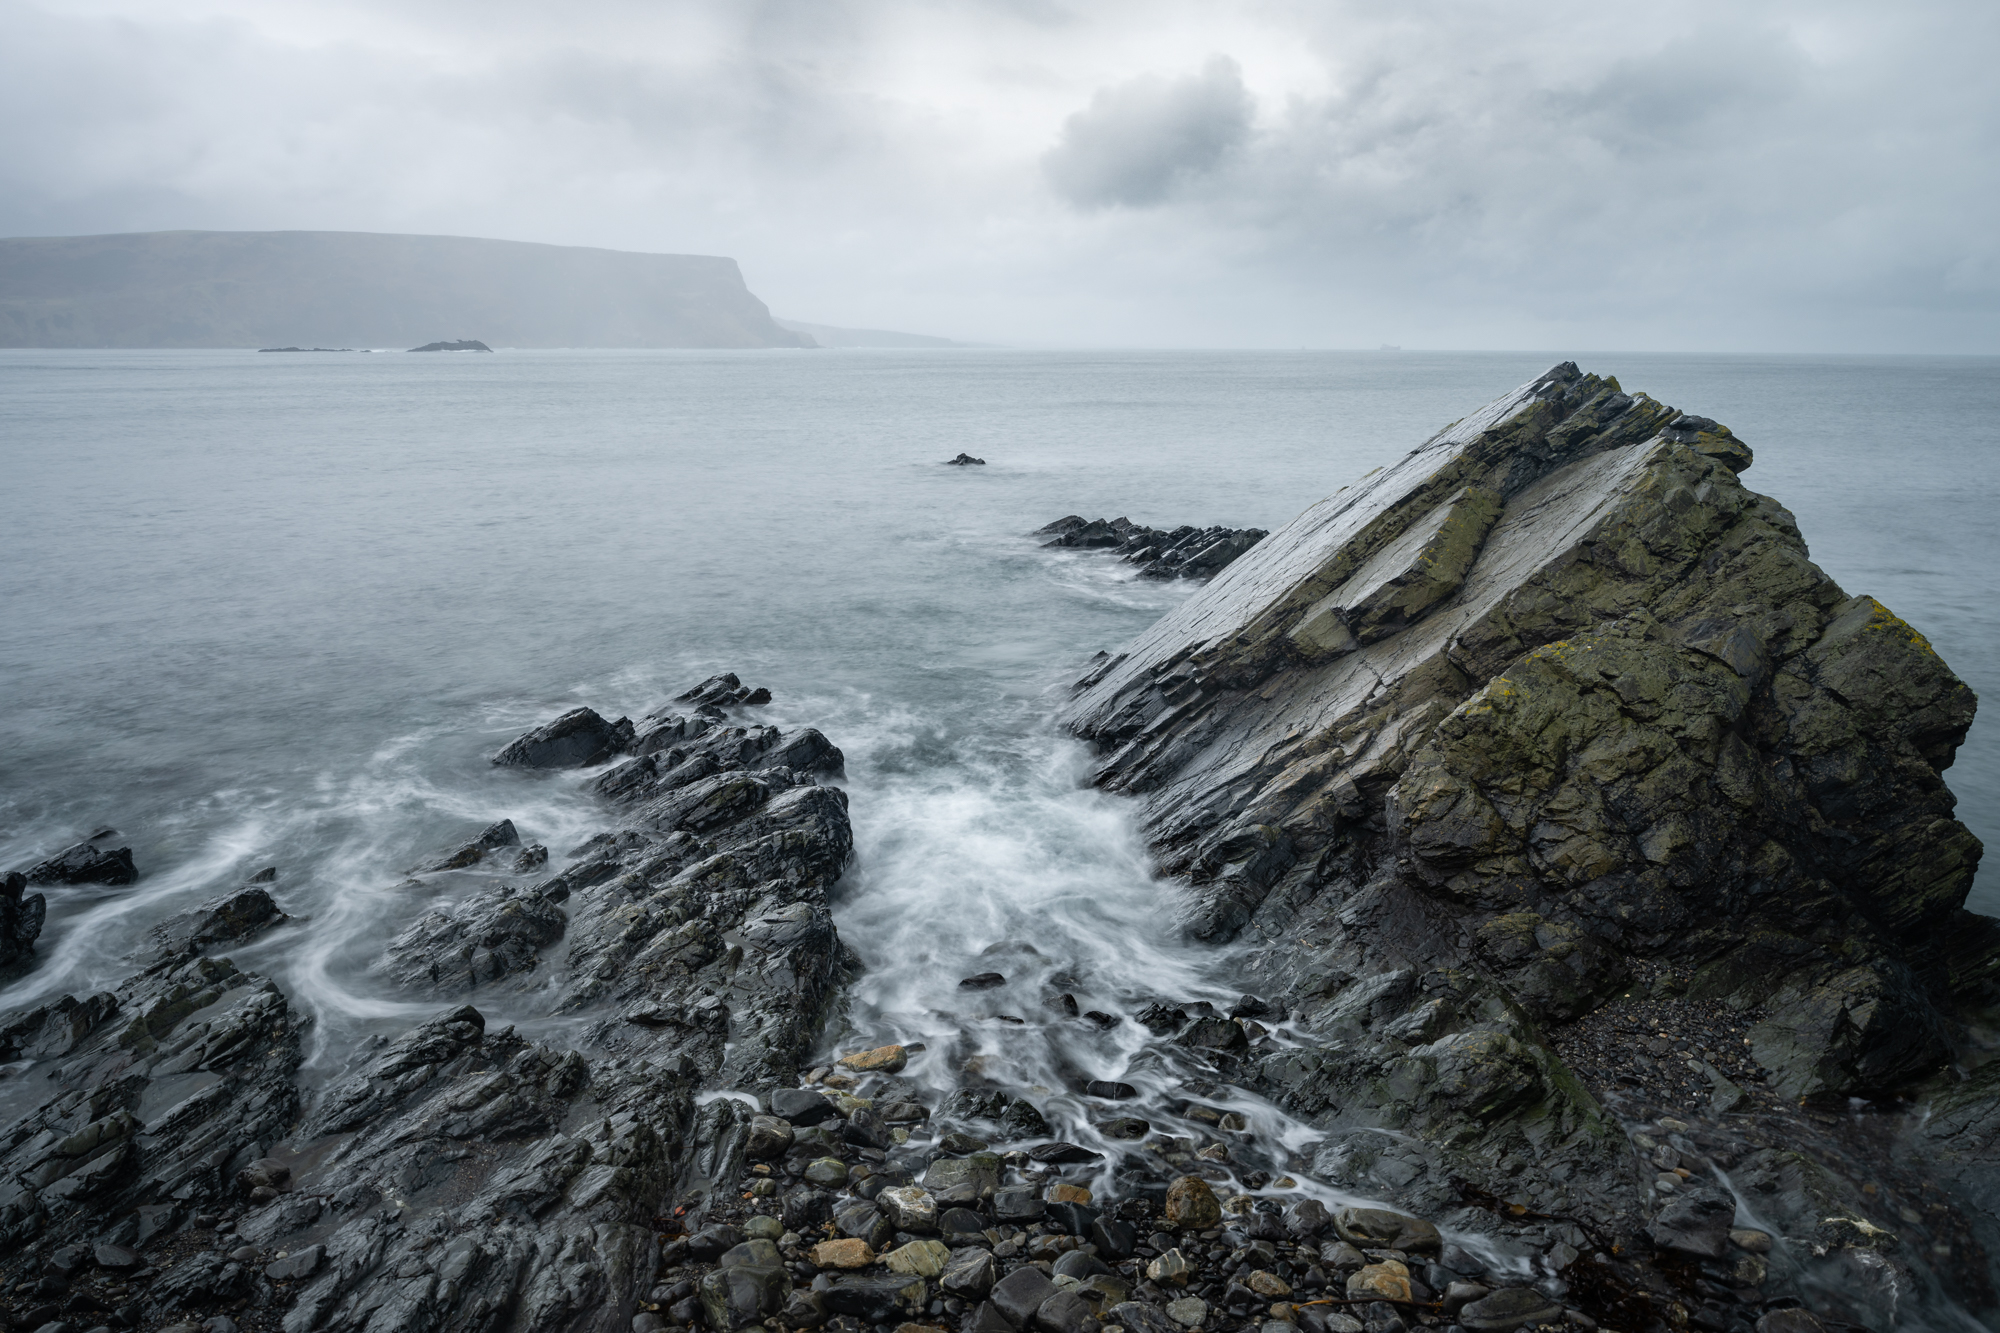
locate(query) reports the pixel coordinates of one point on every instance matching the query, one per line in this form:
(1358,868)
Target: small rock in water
(1110,1091)
(965,460)
(1125,1127)
(86,863)
(881,1060)
(984,981)
(1063,1154)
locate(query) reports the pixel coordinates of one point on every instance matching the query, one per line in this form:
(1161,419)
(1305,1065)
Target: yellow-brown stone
(843,1254)
(881,1060)
(1386,1281)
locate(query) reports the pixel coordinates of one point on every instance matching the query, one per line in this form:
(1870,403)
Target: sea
(267,610)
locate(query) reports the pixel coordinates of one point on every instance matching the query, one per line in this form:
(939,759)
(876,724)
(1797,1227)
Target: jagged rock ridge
(1552,697)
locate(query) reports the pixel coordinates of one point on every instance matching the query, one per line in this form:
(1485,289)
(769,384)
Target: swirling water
(280,610)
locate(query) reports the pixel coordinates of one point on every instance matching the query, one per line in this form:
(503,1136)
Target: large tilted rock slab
(1553,693)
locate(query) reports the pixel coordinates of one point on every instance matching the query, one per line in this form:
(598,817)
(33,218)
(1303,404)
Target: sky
(1676,175)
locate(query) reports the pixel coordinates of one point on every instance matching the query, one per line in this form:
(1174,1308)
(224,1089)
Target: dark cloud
(1138,140)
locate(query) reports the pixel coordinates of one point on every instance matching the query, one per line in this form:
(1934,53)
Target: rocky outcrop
(87,863)
(1184,553)
(461,345)
(21,917)
(965,460)
(1553,705)
(462,1176)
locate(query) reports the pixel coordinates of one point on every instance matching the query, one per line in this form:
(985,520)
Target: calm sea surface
(279,610)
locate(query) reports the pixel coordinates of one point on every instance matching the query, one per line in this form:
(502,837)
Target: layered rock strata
(1184,553)
(1551,712)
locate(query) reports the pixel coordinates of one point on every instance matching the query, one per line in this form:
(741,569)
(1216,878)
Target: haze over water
(281,610)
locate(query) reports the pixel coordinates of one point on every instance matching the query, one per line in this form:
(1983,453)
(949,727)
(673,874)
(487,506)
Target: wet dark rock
(1162,1020)
(965,460)
(984,981)
(801,1107)
(1306,1219)
(1215,1034)
(877,1300)
(1063,1312)
(970,1274)
(1059,1153)
(1019,1294)
(21,917)
(1508,1309)
(477,940)
(723,691)
(1017,1117)
(1696,1222)
(862,1220)
(80,1155)
(86,863)
(1018,1203)
(222,921)
(1114,1239)
(577,739)
(1110,1091)
(1185,552)
(1072,1219)
(743,1294)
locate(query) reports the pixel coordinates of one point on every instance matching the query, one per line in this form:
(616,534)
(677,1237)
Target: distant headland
(314,290)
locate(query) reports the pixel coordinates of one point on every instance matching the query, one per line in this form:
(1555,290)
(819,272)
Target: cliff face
(306,288)
(1553,703)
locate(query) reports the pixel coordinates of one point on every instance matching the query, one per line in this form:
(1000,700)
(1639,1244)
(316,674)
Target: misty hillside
(366,289)
(833,335)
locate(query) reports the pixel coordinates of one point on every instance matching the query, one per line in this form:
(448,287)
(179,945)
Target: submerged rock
(1184,553)
(1552,704)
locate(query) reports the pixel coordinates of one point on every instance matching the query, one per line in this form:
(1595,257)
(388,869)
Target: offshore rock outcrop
(1185,552)
(1552,712)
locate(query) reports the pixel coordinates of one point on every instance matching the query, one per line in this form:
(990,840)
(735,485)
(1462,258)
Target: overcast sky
(1576,173)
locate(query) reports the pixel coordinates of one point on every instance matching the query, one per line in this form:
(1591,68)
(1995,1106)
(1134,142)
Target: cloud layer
(1752,175)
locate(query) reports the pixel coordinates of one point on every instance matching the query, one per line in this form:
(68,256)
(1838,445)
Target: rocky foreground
(1594,878)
